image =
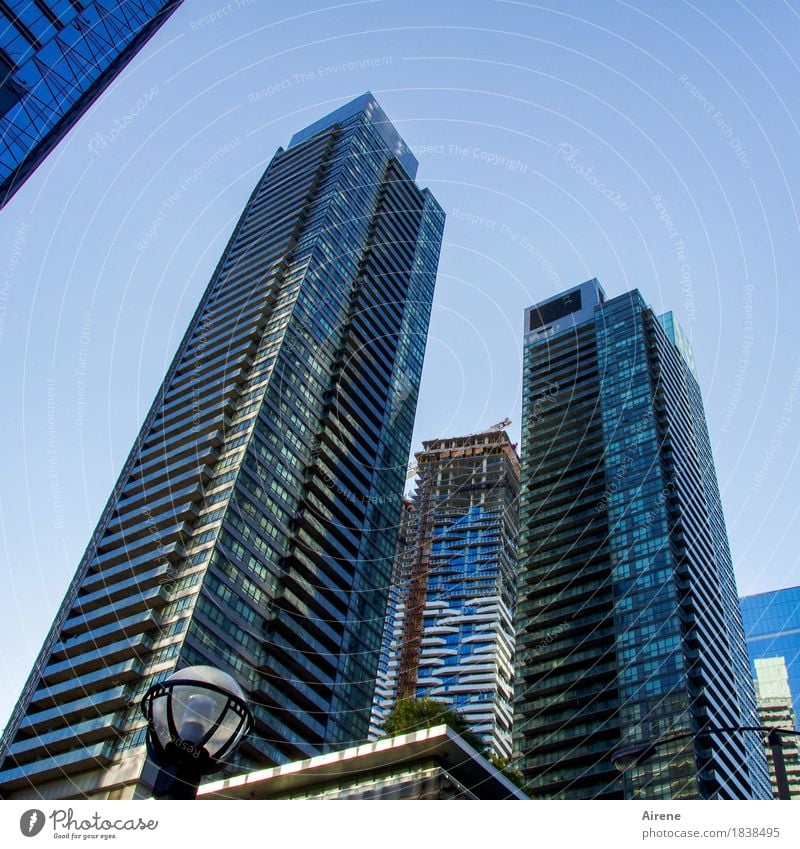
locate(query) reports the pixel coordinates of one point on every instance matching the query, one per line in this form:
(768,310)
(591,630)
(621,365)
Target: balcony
(72,646)
(52,742)
(98,704)
(110,593)
(79,760)
(126,605)
(104,576)
(155,545)
(119,673)
(114,653)
(170,513)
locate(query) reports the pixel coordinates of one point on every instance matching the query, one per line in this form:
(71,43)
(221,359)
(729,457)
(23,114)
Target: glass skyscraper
(385,696)
(628,626)
(449,633)
(775,710)
(56,58)
(253,525)
(772,630)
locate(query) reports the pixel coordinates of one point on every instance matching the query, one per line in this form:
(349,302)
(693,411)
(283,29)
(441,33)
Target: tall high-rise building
(254,523)
(56,58)
(772,629)
(385,696)
(449,633)
(628,625)
(775,710)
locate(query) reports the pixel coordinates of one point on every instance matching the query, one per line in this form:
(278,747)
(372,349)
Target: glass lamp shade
(198,713)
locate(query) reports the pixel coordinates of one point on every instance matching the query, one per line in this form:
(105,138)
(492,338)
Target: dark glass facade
(628,628)
(56,58)
(772,629)
(254,523)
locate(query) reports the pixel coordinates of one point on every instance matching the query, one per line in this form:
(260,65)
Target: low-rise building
(434,763)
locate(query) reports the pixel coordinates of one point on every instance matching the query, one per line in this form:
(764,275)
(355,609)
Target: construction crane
(413,466)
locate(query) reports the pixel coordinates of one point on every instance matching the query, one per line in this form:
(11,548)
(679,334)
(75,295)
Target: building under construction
(449,631)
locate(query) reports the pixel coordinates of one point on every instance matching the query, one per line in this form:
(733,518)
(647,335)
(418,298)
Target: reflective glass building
(628,626)
(775,710)
(56,58)
(385,696)
(772,629)
(254,523)
(449,633)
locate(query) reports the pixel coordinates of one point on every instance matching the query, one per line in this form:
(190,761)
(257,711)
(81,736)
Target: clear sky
(653,145)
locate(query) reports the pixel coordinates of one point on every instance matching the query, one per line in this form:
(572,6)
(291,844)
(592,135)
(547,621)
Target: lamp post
(631,755)
(195,719)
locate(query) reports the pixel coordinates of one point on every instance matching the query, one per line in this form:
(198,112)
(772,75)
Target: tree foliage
(510,772)
(416,714)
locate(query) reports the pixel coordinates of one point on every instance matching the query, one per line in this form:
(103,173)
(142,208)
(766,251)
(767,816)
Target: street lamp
(195,719)
(629,756)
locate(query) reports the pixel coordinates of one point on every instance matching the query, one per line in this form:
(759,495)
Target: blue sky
(650,144)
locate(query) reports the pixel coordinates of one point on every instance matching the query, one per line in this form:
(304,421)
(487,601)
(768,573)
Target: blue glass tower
(254,523)
(628,627)
(56,58)
(772,629)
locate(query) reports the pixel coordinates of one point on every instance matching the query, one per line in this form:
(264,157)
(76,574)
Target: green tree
(510,772)
(416,714)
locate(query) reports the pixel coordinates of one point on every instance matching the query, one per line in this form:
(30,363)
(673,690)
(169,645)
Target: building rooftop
(473,444)
(440,745)
(367,104)
(564,310)
(764,593)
